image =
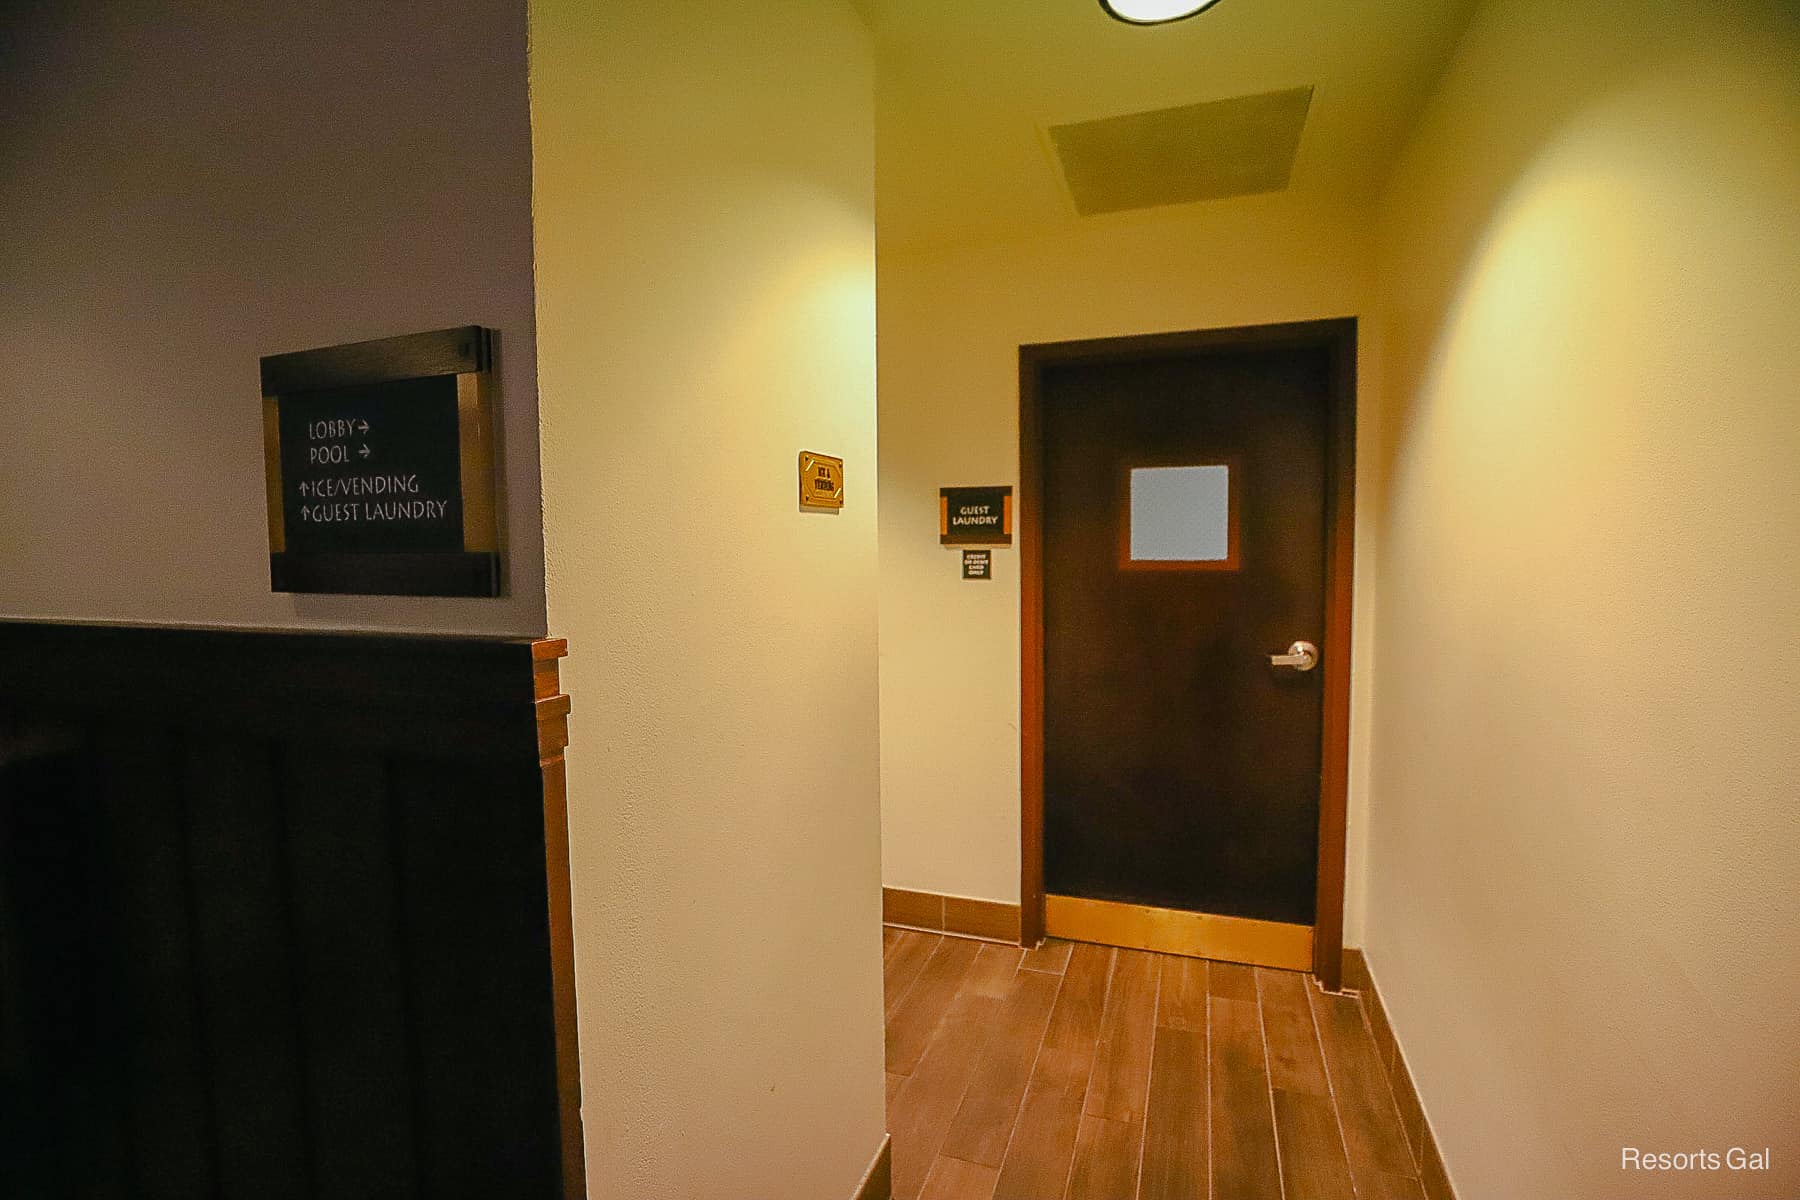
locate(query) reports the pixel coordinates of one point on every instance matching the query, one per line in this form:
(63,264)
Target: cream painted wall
(705,234)
(181,196)
(951,324)
(1584,861)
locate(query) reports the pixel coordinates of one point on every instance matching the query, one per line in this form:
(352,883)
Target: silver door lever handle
(1301,656)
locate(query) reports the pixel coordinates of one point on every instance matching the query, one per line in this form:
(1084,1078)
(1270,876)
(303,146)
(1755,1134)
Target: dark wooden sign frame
(467,353)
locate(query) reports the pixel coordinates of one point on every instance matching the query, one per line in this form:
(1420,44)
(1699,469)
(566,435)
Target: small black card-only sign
(978,564)
(978,516)
(380,467)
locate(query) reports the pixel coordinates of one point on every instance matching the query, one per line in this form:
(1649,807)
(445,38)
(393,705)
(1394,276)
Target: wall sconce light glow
(1154,12)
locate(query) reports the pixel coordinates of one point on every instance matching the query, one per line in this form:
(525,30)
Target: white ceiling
(966,87)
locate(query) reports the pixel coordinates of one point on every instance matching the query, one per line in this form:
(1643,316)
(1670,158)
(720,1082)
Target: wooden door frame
(1338,337)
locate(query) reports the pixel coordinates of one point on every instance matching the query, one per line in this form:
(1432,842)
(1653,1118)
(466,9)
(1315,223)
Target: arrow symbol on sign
(364,452)
(303,488)
(362,427)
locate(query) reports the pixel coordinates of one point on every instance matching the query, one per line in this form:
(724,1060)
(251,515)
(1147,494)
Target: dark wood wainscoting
(283,915)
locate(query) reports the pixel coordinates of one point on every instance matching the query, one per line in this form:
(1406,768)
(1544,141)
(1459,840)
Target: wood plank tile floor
(1078,1072)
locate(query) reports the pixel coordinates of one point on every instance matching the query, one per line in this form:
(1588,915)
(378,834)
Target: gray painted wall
(184,192)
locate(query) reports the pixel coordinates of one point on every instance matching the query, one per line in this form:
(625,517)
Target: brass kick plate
(1172,931)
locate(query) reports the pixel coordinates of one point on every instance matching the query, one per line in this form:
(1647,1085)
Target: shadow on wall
(1584,760)
(1687,112)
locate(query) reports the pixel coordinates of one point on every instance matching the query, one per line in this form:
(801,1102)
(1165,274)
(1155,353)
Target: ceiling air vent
(1235,147)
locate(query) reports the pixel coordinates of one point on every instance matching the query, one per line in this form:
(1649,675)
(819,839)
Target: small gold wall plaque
(821,480)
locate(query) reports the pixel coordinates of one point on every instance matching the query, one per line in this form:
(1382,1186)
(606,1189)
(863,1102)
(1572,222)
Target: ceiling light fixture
(1153,12)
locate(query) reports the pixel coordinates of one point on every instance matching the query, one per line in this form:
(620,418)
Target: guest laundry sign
(980,516)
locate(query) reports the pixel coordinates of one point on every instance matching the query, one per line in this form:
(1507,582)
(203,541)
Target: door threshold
(1175,931)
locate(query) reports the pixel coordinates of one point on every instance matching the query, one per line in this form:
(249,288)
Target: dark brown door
(1184,544)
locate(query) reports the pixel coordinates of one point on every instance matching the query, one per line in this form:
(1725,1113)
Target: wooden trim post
(553,739)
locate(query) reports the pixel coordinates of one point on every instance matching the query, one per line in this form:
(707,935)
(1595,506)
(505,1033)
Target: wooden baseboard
(989,920)
(1406,1094)
(878,1183)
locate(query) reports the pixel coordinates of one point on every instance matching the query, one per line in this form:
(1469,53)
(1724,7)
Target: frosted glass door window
(1181,515)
